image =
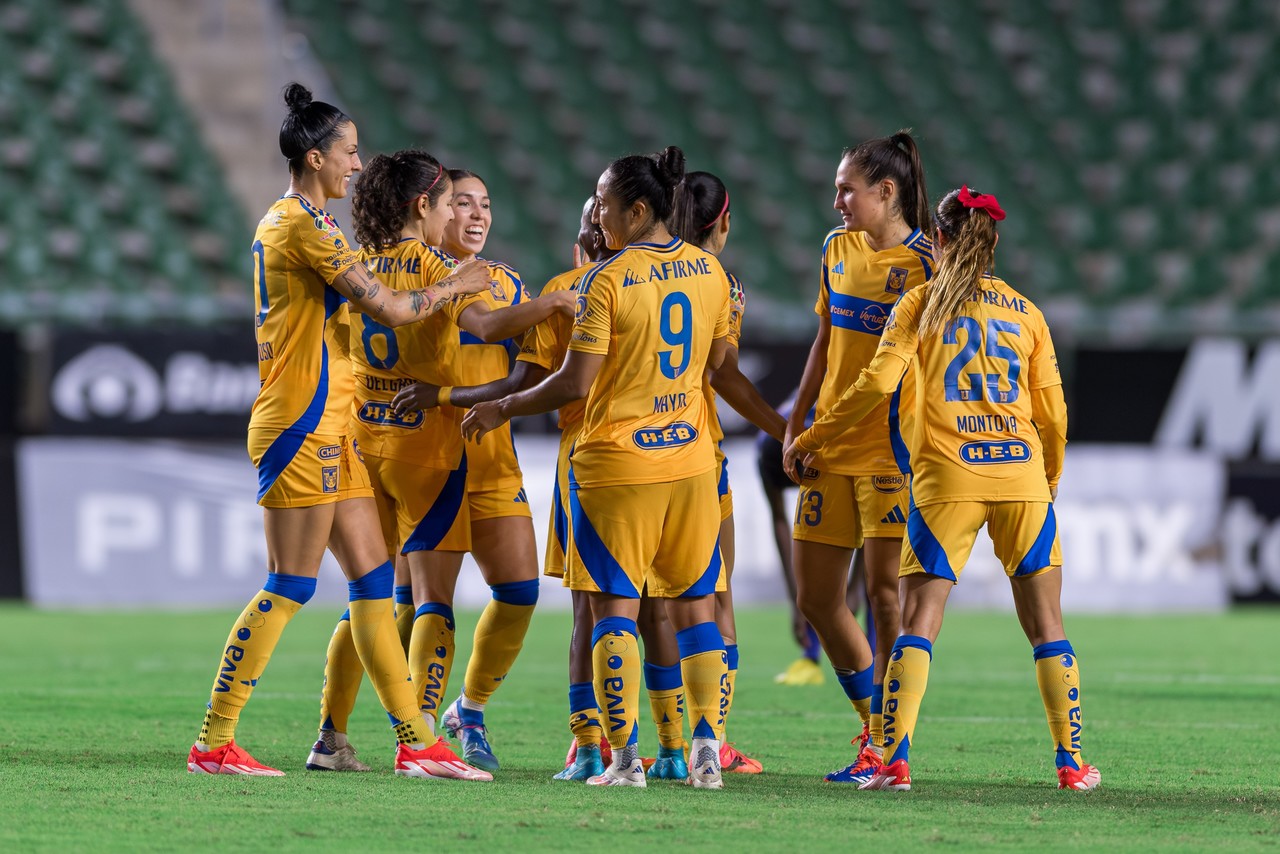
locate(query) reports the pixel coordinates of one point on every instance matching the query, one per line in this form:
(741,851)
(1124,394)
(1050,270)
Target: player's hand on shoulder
(470,277)
(415,397)
(579,257)
(482,418)
(562,301)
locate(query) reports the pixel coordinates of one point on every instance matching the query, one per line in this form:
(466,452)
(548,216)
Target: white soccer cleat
(332,752)
(704,769)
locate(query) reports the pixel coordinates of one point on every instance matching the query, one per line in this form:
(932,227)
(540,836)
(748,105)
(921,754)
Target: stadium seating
(1133,142)
(114,210)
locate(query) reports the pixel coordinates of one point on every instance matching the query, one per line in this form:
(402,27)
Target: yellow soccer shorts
(558,525)
(422,509)
(297,469)
(841,510)
(665,535)
(495,486)
(940,537)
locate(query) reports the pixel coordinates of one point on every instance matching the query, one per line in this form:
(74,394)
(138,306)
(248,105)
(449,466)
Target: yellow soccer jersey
(546,344)
(859,288)
(652,311)
(303,364)
(385,360)
(974,438)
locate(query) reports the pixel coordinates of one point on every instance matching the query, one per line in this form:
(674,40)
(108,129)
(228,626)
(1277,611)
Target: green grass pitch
(1182,714)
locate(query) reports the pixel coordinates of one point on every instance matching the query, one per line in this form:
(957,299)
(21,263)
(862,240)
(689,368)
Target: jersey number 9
(681,339)
(993,349)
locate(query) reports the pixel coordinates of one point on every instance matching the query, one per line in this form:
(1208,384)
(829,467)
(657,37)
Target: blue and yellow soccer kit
(737,308)
(415,461)
(857,488)
(989,433)
(299,427)
(545,346)
(642,478)
(495,485)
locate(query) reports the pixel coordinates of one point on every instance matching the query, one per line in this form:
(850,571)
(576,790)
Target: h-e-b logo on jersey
(897,281)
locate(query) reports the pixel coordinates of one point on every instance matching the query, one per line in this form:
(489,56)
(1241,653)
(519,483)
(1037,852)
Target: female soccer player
(415,456)
(311,483)
(642,479)
(991,427)
(855,495)
(702,218)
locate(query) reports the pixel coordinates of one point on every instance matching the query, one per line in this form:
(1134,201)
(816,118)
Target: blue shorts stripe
(1040,554)
(443,513)
(603,568)
(706,583)
(926,546)
(559,519)
(722,486)
(286,445)
(901,454)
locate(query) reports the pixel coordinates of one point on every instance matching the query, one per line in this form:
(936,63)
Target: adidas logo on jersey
(895,517)
(838,268)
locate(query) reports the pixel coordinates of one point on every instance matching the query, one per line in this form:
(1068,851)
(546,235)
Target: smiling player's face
(340,163)
(612,215)
(465,236)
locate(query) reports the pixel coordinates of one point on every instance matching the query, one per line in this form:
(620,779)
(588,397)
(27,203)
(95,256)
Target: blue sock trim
(374,584)
(299,588)
(1052,648)
(704,637)
(613,624)
(1062,758)
(915,641)
(877,699)
(436,608)
(857,686)
(346,615)
(812,646)
(731,655)
(516,592)
(404,594)
(660,678)
(703,729)
(582,695)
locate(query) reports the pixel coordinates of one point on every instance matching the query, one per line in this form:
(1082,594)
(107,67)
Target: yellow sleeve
(1049,412)
(593,317)
(878,380)
(737,308)
(1044,360)
(542,344)
(323,248)
(722,317)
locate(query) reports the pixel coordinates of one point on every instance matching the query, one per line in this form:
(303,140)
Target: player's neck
(892,233)
(309,191)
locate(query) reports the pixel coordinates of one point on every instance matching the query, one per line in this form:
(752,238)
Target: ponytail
(898,158)
(310,124)
(701,201)
(970,251)
(653,178)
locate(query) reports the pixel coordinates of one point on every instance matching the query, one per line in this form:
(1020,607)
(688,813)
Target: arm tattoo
(418,300)
(374,287)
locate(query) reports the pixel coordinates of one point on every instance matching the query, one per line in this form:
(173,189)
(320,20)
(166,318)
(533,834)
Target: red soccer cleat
(894,777)
(436,762)
(734,760)
(1082,779)
(228,759)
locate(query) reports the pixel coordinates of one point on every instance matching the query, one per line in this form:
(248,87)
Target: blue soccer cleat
(468,727)
(670,765)
(587,763)
(860,772)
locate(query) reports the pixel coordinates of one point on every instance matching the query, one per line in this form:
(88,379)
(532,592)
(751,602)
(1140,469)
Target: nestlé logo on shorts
(888,483)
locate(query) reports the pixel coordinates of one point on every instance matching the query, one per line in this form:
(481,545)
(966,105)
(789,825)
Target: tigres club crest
(897,281)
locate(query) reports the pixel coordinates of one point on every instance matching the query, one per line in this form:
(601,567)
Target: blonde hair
(970,251)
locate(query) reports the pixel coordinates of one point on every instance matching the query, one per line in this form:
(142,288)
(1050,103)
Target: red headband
(981,201)
(428,190)
(722,210)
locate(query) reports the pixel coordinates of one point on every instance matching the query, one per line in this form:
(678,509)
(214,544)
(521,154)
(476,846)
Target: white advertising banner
(118,522)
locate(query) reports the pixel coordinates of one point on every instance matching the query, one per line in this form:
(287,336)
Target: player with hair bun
(854,495)
(312,485)
(701,217)
(642,478)
(987,449)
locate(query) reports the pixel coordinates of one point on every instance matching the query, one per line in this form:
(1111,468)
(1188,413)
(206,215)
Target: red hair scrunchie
(981,201)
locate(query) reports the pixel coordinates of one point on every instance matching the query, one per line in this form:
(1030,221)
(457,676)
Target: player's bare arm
(492,325)
(732,385)
(572,382)
(396,308)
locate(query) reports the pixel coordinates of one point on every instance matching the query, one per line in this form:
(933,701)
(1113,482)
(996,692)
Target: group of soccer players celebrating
(382,433)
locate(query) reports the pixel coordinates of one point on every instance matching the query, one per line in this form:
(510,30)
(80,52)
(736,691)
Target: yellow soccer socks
(615,658)
(905,682)
(705,672)
(374,631)
(665,687)
(1058,675)
(498,639)
(431,658)
(343,674)
(248,649)
(405,614)
(584,714)
(731,683)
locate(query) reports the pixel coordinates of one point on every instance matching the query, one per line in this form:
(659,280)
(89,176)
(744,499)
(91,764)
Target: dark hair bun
(670,164)
(297,97)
